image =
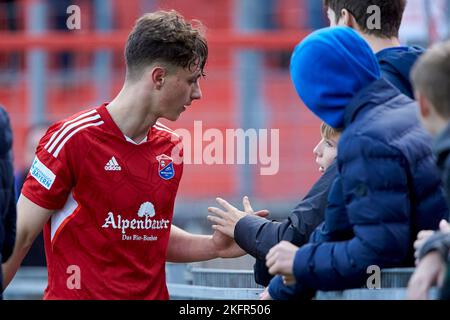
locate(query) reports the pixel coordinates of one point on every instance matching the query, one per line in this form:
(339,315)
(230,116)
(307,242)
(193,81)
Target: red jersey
(114,203)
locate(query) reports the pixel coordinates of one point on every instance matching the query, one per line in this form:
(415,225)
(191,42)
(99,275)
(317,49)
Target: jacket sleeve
(439,242)
(256,235)
(10,215)
(374,188)
(279,291)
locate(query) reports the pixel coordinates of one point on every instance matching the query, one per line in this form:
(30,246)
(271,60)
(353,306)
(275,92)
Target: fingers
(225,204)
(289,280)
(273,269)
(262,213)
(247,206)
(444,226)
(216,220)
(424,234)
(217,212)
(271,260)
(265,295)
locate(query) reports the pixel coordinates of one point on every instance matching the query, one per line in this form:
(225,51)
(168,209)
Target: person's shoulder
(166,133)
(5,132)
(68,130)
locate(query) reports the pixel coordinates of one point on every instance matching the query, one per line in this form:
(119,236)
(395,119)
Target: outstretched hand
(225,221)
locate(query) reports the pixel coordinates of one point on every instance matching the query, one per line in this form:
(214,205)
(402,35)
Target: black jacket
(7,196)
(257,235)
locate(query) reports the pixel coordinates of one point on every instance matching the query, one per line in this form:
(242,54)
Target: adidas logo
(112,165)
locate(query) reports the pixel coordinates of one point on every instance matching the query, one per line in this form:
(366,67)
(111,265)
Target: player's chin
(173,117)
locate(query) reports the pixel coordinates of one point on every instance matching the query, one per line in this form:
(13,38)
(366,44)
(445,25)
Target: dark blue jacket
(7,197)
(396,64)
(441,149)
(388,188)
(257,235)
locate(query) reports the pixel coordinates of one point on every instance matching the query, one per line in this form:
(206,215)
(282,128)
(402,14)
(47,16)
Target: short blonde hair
(431,77)
(329,132)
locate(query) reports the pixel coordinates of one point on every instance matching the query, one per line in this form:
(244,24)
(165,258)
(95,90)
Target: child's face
(325,152)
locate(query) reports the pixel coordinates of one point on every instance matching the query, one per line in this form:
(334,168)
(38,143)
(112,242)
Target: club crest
(165,169)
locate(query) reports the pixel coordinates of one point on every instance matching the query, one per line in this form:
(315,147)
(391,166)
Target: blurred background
(48,72)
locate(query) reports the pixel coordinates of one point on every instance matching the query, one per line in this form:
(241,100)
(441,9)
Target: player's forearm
(186,247)
(10,267)
(30,221)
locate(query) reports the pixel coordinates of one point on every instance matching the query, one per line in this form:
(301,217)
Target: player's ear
(157,75)
(424,105)
(347,19)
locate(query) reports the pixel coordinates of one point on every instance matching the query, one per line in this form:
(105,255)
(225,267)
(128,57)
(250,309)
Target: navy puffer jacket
(7,197)
(389,190)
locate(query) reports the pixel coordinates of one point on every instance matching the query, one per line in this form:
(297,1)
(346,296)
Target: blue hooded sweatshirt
(336,63)
(396,64)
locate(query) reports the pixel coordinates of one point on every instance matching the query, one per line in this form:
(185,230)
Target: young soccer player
(103,182)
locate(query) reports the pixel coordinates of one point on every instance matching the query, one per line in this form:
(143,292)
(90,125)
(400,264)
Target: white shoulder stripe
(62,215)
(73,125)
(169,131)
(55,154)
(159,124)
(67,123)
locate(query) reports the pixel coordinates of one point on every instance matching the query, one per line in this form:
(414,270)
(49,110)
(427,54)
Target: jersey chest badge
(165,169)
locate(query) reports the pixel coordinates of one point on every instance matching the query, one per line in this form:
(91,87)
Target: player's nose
(196,92)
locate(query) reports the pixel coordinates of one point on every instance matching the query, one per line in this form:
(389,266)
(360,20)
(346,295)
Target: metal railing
(190,283)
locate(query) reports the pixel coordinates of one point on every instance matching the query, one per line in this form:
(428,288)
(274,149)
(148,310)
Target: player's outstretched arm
(187,247)
(31,218)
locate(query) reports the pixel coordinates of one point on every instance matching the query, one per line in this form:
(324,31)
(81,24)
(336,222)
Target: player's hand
(225,246)
(429,272)
(280,260)
(225,221)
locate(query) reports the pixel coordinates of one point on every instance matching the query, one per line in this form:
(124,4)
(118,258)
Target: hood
(328,68)
(396,64)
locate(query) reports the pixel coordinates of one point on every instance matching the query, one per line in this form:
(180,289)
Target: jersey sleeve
(50,179)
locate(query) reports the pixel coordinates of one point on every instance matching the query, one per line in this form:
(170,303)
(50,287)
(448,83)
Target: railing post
(36,61)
